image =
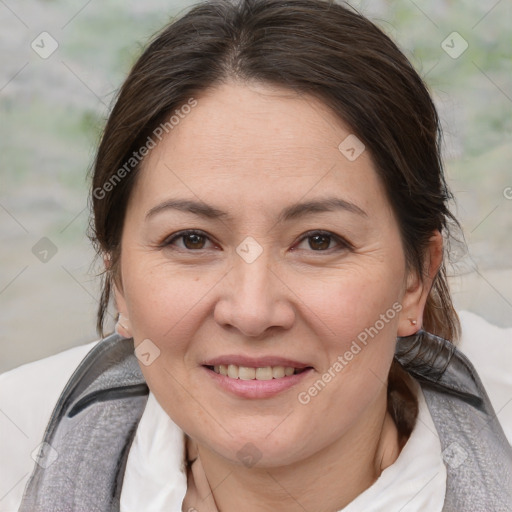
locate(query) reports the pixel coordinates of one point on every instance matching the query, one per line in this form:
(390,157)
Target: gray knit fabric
(95,419)
(91,429)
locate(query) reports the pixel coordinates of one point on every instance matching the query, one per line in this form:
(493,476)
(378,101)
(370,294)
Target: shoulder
(28,395)
(489,348)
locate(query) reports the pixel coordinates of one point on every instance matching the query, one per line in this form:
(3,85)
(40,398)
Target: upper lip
(254,362)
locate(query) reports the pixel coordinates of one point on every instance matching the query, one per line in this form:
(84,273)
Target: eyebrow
(292,212)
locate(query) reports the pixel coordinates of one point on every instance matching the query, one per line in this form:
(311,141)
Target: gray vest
(95,419)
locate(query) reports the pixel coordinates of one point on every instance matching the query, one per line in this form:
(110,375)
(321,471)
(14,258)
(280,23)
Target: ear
(418,288)
(123,326)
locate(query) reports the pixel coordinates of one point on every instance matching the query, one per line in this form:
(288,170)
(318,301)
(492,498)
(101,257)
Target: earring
(413,322)
(123,326)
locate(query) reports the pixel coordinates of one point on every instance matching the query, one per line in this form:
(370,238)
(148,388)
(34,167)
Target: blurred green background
(52,111)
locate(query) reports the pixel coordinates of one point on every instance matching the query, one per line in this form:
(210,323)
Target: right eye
(192,240)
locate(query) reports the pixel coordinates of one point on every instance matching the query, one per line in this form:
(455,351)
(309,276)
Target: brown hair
(315,47)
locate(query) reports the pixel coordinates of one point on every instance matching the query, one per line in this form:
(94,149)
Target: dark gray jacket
(95,419)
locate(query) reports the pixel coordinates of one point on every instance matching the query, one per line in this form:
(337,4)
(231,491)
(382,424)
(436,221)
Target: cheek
(166,307)
(354,298)
(163,302)
(356,318)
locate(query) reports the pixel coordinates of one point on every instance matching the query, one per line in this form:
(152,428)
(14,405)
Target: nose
(255,299)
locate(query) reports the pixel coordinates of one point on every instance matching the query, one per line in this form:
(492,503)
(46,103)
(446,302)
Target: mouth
(262,373)
(261,378)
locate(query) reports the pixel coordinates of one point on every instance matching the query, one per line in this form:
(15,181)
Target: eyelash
(343,244)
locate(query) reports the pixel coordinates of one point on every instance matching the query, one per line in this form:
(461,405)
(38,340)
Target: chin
(266,449)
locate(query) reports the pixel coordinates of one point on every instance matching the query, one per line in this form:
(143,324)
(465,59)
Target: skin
(252,150)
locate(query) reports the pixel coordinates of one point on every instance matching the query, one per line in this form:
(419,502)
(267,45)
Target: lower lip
(257,388)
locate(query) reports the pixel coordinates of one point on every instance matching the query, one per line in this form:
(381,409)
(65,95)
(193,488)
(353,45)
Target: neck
(326,481)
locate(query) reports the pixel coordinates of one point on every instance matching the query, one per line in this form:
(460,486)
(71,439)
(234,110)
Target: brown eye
(190,240)
(193,241)
(323,241)
(319,242)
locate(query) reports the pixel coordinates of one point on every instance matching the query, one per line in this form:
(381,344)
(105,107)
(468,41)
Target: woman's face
(295,263)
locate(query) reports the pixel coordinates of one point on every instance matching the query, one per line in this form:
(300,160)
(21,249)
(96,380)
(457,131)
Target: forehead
(254,142)
(235,122)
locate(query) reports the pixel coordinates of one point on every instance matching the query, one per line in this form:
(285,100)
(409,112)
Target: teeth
(232,371)
(278,372)
(264,373)
(247,373)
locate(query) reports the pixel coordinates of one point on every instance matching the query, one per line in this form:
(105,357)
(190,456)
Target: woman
(269,201)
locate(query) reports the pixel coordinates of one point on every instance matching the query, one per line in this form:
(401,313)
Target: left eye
(320,241)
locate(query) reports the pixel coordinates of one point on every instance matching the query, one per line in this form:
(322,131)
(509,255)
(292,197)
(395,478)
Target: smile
(261,373)
(256,382)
